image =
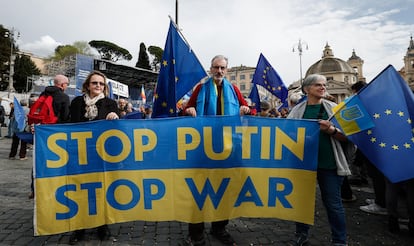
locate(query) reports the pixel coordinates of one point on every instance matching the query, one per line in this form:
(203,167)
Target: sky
(378,31)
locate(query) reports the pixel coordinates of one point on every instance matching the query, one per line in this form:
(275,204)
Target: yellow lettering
(59,151)
(82,151)
(100,146)
(265,143)
(182,145)
(227,143)
(296,147)
(139,146)
(246,132)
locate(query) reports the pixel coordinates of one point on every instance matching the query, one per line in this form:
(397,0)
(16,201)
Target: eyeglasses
(319,85)
(219,67)
(96,83)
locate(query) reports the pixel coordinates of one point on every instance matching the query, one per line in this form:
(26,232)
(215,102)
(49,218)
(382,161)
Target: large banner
(185,169)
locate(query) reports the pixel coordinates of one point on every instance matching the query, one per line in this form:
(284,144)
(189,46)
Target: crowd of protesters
(334,163)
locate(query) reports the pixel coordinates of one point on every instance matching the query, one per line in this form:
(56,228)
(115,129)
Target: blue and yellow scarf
(207,99)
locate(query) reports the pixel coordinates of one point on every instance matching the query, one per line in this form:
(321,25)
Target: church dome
(329,64)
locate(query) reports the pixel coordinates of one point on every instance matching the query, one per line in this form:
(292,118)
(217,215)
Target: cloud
(44,47)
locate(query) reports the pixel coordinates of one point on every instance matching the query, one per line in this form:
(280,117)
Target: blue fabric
(19,116)
(207,99)
(389,144)
(266,76)
(180,71)
(254,96)
(330,186)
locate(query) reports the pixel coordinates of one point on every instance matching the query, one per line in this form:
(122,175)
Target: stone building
(340,75)
(407,72)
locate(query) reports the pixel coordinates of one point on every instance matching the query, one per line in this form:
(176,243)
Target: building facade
(407,72)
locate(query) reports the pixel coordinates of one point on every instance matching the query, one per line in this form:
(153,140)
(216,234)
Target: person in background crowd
(15,139)
(122,106)
(2,117)
(294,99)
(61,100)
(94,104)
(60,105)
(265,109)
(217,96)
(332,162)
(11,116)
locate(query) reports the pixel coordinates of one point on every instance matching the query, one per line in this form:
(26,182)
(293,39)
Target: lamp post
(11,34)
(299,48)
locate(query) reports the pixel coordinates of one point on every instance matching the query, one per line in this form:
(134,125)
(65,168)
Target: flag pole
(182,35)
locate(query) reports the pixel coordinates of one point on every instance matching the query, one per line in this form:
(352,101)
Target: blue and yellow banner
(185,169)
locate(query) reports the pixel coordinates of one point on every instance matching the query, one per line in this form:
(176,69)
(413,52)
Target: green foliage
(4,50)
(24,67)
(156,53)
(63,51)
(78,47)
(110,51)
(143,59)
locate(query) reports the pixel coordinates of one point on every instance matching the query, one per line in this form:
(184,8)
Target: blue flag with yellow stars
(266,76)
(180,71)
(255,98)
(389,145)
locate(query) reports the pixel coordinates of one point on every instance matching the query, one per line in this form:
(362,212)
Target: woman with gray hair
(332,163)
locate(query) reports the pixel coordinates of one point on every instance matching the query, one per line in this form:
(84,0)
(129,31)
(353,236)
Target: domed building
(340,75)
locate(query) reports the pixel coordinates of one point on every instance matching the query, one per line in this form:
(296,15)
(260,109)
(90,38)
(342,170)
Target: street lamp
(300,50)
(11,34)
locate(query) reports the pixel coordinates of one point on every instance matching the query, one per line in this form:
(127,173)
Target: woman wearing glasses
(93,105)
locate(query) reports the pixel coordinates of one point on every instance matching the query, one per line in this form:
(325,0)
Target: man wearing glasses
(217,96)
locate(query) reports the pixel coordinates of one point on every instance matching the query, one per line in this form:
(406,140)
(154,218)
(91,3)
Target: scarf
(207,99)
(91,109)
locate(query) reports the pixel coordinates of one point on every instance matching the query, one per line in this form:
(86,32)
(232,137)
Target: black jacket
(61,103)
(104,105)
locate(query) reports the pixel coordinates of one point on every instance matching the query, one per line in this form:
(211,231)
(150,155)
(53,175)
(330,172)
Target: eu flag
(255,98)
(180,71)
(389,145)
(266,76)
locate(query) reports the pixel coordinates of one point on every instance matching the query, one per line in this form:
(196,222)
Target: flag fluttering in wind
(180,71)
(19,115)
(143,97)
(389,145)
(266,76)
(255,98)
(351,116)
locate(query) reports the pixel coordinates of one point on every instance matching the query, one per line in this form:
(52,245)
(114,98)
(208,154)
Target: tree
(110,51)
(24,67)
(4,50)
(78,47)
(143,59)
(63,51)
(156,53)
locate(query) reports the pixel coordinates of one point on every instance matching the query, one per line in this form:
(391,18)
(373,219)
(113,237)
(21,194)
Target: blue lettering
(275,194)
(110,195)
(208,190)
(148,196)
(91,187)
(248,187)
(64,200)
